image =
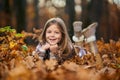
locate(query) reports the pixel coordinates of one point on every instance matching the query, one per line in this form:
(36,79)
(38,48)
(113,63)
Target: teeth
(52,40)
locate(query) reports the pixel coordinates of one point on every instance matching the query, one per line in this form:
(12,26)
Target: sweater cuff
(41,50)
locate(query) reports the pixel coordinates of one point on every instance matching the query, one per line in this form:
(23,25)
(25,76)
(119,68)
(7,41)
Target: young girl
(55,42)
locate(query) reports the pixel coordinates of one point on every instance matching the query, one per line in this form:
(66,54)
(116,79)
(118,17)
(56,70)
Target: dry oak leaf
(70,66)
(29,61)
(20,72)
(51,64)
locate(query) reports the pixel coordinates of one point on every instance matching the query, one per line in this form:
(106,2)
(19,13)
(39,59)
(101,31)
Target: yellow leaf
(12,44)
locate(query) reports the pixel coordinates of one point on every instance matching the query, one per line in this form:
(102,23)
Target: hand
(45,46)
(54,48)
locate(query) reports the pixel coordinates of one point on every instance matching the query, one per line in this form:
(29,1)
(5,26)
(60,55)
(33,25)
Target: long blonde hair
(65,44)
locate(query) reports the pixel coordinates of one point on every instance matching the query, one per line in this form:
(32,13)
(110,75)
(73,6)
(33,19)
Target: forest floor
(18,63)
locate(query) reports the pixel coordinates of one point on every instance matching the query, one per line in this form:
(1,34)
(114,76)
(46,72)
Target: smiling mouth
(52,40)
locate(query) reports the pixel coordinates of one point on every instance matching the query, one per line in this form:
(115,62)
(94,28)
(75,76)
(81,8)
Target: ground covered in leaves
(18,63)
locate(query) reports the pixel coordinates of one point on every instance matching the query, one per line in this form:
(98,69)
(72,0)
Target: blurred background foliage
(28,14)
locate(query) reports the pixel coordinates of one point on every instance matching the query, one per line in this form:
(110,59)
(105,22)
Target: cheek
(60,37)
(47,35)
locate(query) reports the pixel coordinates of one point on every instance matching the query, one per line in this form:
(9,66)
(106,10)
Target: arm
(54,51)
(41,50)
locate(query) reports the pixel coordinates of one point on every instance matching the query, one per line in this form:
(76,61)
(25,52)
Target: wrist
(42,50)
(52,56)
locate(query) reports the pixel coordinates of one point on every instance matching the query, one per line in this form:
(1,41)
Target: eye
(48,31)
(57,32)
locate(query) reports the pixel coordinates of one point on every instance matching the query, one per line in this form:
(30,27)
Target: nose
(52,33)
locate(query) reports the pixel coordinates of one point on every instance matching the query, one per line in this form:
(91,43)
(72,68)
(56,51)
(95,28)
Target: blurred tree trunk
(36,14)
(71,13)
(5,13)
(20,8)
(96,8)
(32,15)
(107,16)
(84,16)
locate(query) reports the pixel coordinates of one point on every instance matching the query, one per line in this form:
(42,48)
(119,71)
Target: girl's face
(53,34)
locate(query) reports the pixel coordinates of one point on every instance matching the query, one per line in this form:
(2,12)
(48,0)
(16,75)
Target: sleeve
(39,51)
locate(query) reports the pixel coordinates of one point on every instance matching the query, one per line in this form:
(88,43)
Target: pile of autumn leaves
(18,63)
